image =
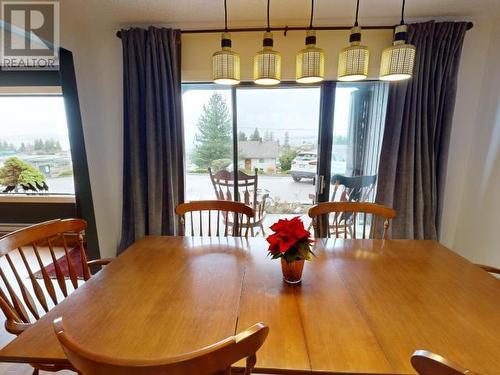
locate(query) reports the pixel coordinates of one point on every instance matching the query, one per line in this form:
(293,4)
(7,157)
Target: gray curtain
(414,154)
(153,182)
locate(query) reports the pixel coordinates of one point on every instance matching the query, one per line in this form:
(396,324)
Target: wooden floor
(5,337)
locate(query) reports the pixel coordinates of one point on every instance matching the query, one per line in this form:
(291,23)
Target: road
(282,188)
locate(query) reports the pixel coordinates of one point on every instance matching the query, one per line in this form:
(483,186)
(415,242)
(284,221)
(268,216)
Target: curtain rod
(285,29)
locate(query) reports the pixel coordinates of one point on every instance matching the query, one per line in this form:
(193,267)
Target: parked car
(304,165)
(306,162)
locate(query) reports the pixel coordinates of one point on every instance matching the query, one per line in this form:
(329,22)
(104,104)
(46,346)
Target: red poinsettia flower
(290,240)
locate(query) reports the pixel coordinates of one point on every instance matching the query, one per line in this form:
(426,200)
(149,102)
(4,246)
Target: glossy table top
(364,306)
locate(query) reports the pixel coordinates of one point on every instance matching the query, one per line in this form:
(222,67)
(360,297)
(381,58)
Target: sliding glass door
(278,139)
(295,144)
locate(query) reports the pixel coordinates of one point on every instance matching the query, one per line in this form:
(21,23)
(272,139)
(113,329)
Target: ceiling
(204,13)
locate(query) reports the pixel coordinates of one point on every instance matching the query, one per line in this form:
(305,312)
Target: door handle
(321,184)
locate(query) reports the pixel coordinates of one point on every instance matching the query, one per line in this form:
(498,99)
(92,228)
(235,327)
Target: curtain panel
(153,165)
(414,156)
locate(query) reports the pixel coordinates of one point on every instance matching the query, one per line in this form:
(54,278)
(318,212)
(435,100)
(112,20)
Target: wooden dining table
(364,306)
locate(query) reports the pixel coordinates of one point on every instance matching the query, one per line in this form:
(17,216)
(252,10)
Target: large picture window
(35,156)
(290,137)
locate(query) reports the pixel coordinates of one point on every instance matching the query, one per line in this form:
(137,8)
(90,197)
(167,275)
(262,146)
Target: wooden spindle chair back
(211,360)
(27,301)
(427,363)
(349,189)
(223,183)
(215,218)
(356,211)
(248,193)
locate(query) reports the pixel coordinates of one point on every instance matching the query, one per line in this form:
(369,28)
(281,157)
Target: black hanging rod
(285,29)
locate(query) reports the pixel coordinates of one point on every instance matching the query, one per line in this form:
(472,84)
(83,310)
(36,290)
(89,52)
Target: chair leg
(251,361)
(35,371)
(262,229)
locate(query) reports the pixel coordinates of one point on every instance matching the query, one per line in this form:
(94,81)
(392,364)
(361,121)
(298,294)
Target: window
(358,127)
(35,156)
(281,136)
(208,136)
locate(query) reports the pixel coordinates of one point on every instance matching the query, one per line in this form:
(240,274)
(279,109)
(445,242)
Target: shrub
(286,159)
(15,171)
(66,173)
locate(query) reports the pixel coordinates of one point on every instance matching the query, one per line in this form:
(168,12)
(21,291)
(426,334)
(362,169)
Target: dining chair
(356,188)
(427,363)
(215,218)
(349,189)
(345,219)
(248,192)
(215,359)
(23,250)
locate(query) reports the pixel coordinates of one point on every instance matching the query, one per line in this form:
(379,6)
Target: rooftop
(258,149)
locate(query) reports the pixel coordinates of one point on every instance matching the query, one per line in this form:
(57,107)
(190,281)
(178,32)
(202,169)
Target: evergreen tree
(255,135)
(39,145)
(213,140)
(268,136)
(287,140)
(6,146)
(15,171)
(51,146)
(242,136)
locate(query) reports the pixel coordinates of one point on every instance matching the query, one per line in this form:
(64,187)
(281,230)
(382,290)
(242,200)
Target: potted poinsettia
(291,242)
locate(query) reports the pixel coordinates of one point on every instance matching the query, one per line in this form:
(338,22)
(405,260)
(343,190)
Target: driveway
(280,188)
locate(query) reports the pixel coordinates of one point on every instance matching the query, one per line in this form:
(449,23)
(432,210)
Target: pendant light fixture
(398,60)
(267,62)
(310,61)
(353,60)
(226,62)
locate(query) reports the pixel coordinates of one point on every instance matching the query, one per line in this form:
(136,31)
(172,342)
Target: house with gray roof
(258,154)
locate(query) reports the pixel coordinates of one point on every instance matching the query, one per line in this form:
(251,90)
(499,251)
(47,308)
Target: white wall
(98,63)
(471,214)
(267,164)
(472,198)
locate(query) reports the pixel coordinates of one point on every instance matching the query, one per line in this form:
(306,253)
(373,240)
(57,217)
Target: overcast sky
(24,119)
(278,110)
